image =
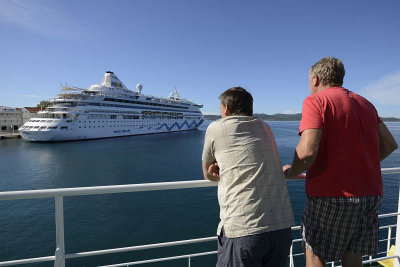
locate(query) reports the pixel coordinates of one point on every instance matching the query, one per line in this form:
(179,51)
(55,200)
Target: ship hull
(107,131)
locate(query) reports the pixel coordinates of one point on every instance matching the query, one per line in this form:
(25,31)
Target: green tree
(43,104)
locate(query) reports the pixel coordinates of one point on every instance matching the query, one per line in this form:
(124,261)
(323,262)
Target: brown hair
(238,100)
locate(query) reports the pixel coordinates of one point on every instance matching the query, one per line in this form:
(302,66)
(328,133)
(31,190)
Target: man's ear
(227,111)
(315,81)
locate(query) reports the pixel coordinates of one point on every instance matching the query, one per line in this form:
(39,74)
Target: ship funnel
(111,80)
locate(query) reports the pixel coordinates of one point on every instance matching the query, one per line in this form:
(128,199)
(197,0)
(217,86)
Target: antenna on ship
(176,93)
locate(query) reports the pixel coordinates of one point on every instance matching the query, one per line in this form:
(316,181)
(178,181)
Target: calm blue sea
(27,227)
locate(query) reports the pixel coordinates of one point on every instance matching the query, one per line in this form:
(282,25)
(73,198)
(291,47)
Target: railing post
(60,250)
(397,253)
(389,240)
(291,264)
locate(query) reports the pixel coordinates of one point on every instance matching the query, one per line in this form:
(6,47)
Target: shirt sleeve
(311,115)
(379,120)
(208,149)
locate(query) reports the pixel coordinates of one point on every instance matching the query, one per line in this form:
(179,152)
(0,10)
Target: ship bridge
(110,85)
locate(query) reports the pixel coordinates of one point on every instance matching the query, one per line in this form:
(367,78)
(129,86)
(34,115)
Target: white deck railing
(60,256)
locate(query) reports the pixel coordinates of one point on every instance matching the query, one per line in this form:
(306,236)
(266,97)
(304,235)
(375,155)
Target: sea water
(27,227)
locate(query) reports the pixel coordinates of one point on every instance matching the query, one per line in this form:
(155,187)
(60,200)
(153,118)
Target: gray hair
(329,70)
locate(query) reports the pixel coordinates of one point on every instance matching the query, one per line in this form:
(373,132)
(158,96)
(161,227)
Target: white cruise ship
(110,110)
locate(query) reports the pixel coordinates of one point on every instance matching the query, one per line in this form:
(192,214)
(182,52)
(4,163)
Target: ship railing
(60,257)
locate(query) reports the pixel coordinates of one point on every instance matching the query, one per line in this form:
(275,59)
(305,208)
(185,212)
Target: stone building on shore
(13,118)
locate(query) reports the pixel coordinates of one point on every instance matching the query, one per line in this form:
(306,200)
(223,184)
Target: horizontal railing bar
(162,259)
(109,189)
(142,247)
(390,170)
(25,261)
(112,189)
(377,259)
(159,245)
(298,254)
(387,226)
(372,260)
(380,216)
(381,259)
(378,253)
(383,252)
(150,246)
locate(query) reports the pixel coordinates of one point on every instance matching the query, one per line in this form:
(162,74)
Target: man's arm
(208,173)
(305,154)
(208,156)
(387,144)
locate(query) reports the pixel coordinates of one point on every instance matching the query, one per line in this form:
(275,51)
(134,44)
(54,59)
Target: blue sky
(201,47)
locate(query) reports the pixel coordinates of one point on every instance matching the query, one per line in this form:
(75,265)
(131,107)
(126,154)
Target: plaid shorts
(332,226)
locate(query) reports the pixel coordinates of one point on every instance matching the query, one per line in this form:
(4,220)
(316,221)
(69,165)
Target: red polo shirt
(348,161)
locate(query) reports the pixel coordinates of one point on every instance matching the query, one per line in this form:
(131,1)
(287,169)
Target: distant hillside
(390,119)
(282,117)
(266,117)
(279,117)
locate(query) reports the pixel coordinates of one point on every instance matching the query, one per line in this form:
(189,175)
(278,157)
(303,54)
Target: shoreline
(10,135)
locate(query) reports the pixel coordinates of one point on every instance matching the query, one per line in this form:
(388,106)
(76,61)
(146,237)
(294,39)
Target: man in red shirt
(342,143)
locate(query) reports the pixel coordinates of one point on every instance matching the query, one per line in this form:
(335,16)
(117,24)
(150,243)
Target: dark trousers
(260,250)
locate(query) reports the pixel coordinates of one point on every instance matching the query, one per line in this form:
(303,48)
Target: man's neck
(324,87)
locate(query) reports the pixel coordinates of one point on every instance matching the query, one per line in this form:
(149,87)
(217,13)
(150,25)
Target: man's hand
(211,171)
(286,170)
(214,170)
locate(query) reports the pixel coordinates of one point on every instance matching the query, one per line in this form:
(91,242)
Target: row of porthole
(127,122)
(99,121)
(119,126)
(108,121)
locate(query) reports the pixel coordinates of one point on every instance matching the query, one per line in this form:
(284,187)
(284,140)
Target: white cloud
(39,17)
(32,96)
(288,111)
(385,91)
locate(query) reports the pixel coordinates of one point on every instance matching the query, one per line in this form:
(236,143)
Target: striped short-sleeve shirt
(252,191)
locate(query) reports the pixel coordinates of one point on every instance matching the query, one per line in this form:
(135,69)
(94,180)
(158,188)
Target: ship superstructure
(109,110)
